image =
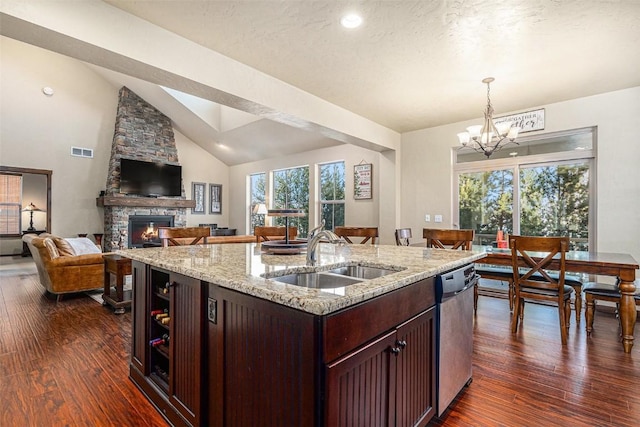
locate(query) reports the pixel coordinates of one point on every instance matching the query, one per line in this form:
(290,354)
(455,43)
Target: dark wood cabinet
(368,365)
(235,359)
(167,360)
(389,381)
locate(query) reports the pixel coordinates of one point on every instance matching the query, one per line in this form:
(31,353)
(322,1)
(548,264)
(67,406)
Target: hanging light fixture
(489,137)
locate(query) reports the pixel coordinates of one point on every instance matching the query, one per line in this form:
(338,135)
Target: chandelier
(489,137)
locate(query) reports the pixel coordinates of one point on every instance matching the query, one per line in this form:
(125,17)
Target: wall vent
(82,152)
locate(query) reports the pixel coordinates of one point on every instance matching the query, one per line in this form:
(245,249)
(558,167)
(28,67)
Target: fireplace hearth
(143,229)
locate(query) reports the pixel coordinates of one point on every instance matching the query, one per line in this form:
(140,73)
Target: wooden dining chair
(369,234)
(448,239)
(546,287)
(403,236)
(178,236)
(594,292)
(265,233)
(452,239)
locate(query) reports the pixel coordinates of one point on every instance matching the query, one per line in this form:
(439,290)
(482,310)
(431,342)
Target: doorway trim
(45,172)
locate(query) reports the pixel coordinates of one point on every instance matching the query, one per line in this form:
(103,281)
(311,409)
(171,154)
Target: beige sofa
(66,265)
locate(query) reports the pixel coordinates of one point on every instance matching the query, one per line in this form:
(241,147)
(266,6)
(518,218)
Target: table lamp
(31,208)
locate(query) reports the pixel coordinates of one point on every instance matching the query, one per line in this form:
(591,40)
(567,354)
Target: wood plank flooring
(66,364)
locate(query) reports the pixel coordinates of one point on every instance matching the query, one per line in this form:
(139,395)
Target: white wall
(200,166)
(38,132)
(358,212)
(426,175)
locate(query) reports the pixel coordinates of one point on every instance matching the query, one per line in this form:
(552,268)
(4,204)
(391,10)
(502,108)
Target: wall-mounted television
(150,179)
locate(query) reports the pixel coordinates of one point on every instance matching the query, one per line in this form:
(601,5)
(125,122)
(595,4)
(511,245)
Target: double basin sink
(335,278)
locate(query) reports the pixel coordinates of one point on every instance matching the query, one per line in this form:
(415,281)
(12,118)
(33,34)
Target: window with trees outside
(544,188)
(291,191)
(257,185)
(10,205)
(332,189)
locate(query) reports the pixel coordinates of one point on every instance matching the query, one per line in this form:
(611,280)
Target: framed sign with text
(527,121)
(362,180)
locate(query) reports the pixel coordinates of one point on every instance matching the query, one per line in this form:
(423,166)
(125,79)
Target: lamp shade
(260,209)
(31,208)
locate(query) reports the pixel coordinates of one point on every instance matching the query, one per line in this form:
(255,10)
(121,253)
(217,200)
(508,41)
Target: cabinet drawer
(347,329)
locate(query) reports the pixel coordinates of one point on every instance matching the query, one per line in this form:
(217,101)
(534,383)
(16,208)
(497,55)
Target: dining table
(619,265)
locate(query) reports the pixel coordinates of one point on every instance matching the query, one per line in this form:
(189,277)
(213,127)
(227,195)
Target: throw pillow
(64,248)
(83,245)
(51,247)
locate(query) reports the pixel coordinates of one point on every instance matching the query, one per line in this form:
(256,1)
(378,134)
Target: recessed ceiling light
(351,20)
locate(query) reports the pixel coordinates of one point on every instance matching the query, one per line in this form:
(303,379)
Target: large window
(257,183)
(332,201)
(548,194)
(291,191)
(10,204)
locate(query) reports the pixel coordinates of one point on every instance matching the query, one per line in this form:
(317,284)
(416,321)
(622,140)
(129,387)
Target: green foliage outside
(258,191)
(332,188)
(554,201)
(291,191)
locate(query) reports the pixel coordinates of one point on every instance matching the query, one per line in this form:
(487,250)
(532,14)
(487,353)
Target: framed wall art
(362,181)
(198,190)
(215,197)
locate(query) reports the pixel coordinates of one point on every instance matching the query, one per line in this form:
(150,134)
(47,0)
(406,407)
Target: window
(10,205)
(548,193)
(258,195)
(332,203)
(291,191)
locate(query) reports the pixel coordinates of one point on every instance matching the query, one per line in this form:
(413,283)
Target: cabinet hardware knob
(395,350)
(172,284)
(401,343)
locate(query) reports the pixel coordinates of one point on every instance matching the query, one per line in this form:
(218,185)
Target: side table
(119,266)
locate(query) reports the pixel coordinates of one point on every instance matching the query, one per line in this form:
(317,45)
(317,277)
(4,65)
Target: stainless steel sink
(321,280)
(362,272)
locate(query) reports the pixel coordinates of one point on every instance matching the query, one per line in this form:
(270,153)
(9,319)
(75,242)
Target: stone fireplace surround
(141,133)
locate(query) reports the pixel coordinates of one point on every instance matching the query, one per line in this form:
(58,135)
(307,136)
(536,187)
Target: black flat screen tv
(150,179)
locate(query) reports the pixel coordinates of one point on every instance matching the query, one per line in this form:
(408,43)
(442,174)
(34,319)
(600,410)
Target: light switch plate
(438,218)
(427,218)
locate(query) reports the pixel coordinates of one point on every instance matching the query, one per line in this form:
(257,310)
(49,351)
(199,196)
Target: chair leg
(567,312)
(589,312)
(516,316)
(562,317)
(511,295)
(578,292)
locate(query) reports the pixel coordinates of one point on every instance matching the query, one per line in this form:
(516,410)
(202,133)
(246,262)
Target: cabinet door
(186,346)
(360,384)
(140,318)
(415,376)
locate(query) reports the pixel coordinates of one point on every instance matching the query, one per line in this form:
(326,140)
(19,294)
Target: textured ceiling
(418,64)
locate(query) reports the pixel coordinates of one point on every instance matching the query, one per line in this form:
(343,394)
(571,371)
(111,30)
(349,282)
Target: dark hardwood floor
(66,364)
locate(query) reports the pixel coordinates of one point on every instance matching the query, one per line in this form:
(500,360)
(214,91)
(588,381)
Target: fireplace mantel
(144,202)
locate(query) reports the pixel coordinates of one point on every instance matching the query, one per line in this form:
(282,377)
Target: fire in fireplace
(143,229)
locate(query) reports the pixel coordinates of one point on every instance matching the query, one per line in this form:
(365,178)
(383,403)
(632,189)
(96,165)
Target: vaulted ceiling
(412,64)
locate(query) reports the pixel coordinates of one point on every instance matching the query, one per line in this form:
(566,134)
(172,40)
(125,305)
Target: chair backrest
(448,239)
(369,234)
(530,256)
(402,236)
(168,235)
(264,234)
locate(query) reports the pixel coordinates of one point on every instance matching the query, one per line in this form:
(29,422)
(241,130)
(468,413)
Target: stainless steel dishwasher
(454,293)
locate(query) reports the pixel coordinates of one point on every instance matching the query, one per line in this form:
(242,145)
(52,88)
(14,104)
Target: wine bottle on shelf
(154,313)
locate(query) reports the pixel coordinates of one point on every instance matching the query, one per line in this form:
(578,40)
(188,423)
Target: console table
(120,267)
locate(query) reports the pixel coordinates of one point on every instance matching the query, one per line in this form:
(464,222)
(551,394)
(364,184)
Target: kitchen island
(218,339)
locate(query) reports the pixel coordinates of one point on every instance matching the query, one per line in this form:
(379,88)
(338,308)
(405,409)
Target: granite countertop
(243,267)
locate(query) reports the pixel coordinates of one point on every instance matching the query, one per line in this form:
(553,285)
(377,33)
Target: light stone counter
(243,267)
